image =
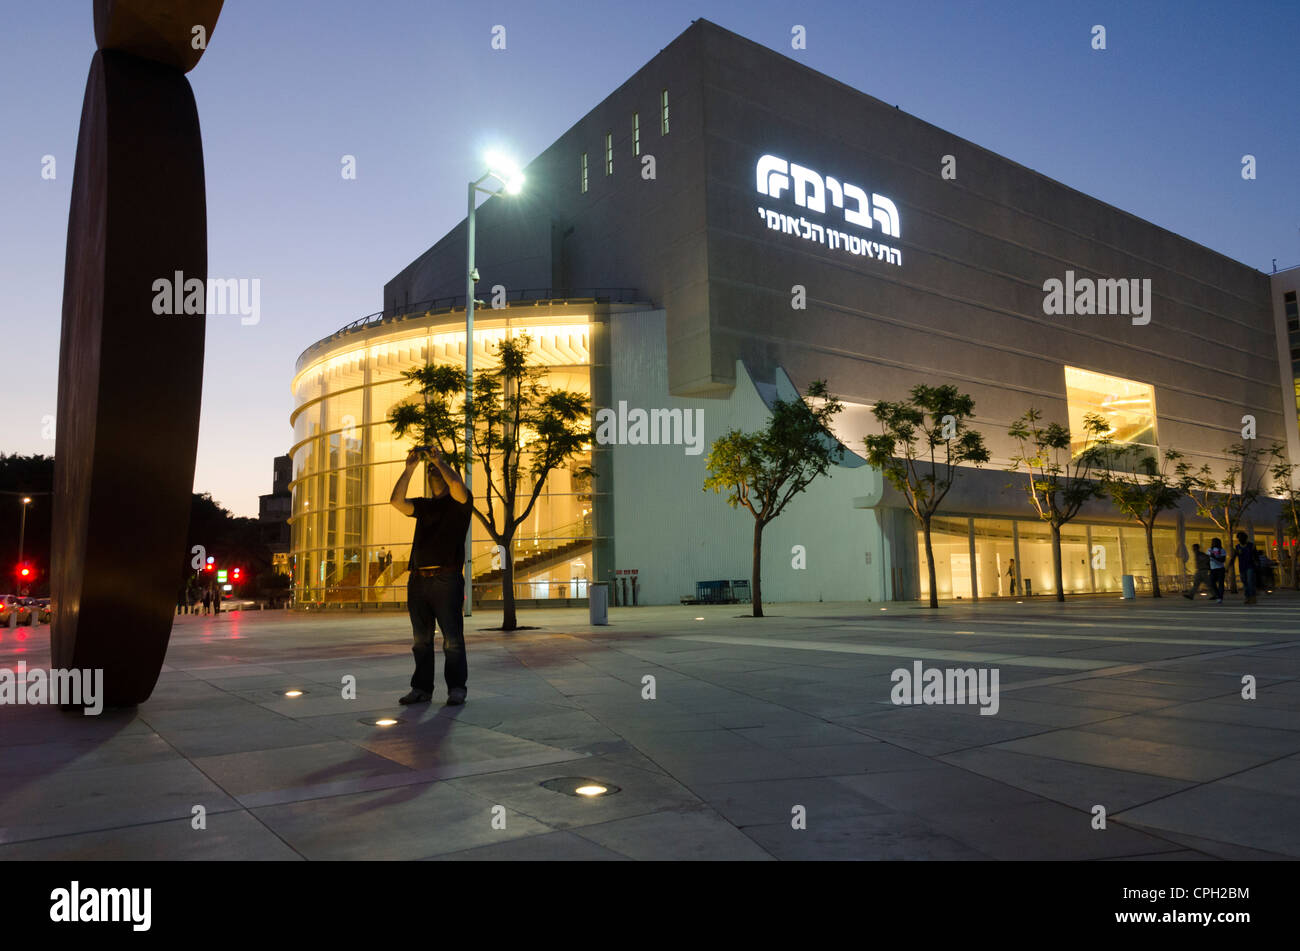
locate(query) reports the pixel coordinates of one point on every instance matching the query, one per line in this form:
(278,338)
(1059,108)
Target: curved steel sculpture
(130,381)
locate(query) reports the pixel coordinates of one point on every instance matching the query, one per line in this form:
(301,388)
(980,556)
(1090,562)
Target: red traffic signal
(234,575)
(25,572)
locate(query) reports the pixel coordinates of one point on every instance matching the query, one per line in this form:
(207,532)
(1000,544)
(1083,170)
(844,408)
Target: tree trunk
(509,619)
(756,581)
(1151,559)
(1231,567)
(1056,562)
(929,557)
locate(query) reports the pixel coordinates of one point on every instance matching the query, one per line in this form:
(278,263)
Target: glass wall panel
(1127,405)
(1105,561)
(1035,567)
(994,552)
(1076,572)
(950,538)
(350,544)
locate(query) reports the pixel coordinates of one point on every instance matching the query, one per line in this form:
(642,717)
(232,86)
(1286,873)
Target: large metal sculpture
(130,380)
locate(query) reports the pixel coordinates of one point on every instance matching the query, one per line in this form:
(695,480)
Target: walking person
(436,590)
(1247,565)
(1218,560)
(1011,576)
(1202,576)
(207,603)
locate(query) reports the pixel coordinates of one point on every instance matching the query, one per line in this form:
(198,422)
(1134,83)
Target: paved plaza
(1133,706)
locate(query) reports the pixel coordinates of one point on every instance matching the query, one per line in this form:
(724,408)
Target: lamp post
(22,532)
(507,173)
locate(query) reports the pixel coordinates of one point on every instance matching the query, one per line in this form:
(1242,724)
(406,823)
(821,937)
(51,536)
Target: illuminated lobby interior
(349,545)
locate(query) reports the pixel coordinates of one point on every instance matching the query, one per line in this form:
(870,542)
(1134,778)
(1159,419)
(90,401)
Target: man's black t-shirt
(440,526)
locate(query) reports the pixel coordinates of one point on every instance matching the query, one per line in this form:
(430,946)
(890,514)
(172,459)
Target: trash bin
(598,602)
(1129,591)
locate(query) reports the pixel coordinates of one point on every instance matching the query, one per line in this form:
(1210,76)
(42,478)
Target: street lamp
(22,530)
(511,181)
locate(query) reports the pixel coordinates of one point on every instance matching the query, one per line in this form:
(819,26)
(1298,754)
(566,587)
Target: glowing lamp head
(507,170)
(591,790)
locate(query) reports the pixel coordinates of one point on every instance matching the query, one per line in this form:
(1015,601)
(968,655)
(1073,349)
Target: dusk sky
(1156,124)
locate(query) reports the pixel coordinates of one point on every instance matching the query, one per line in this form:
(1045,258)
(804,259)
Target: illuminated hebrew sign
(822,195)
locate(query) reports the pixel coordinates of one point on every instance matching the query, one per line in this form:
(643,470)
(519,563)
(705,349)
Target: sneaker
(416,696)
(456,696)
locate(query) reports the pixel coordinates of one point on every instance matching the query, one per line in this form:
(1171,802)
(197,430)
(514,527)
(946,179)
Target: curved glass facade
(349,545)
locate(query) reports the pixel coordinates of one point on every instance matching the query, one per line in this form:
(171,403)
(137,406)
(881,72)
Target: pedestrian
(1218,561)
(1202,576)
(207,603)
(436,589)
(1011,577)
(1247,565)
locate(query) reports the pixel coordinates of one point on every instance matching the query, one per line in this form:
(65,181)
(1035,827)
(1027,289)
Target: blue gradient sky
(1156,125)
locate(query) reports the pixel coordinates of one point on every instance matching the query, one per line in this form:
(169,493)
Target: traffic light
(26,572)
(235,576)
(211,565)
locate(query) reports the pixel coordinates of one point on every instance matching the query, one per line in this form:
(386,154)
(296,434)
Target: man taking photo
(436,589)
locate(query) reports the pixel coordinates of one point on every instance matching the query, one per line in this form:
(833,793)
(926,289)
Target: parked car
(42,608)
(11,603)
(237,604)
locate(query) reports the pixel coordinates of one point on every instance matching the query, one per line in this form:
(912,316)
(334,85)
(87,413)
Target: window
(609,153)
(1128,406)
(636,133)
(584,173)
(663,112)
(1289,304)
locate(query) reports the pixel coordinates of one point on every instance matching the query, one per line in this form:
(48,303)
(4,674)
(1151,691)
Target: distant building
(273,512)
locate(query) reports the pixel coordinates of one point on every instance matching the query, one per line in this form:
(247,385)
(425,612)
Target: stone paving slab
(1134,705)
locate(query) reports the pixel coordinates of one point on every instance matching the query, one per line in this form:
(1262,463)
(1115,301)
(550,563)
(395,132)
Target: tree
(763,471)
(1145,489)
(521,431)
(1284,486)
(923,440)
(1060,481)
(1225,501)
(234,541)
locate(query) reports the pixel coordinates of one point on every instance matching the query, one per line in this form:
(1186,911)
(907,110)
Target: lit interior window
(1127,405)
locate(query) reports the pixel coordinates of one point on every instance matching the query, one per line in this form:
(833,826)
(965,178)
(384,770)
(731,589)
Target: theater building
(730,225)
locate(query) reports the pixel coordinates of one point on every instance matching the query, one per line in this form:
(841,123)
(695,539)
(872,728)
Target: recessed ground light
(699,619)
(380,721)
(580,786)
(292,693)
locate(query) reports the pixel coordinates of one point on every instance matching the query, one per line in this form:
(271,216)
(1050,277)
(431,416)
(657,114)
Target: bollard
(598,602)
(1130,591)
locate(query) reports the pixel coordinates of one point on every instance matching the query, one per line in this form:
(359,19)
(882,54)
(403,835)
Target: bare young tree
(1145,489)
(1225,501)
(763,471)
(1060,481)
(924,440)
(522,431)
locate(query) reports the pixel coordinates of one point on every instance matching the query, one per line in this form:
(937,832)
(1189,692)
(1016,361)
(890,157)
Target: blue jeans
(1248,582)
(440,599)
